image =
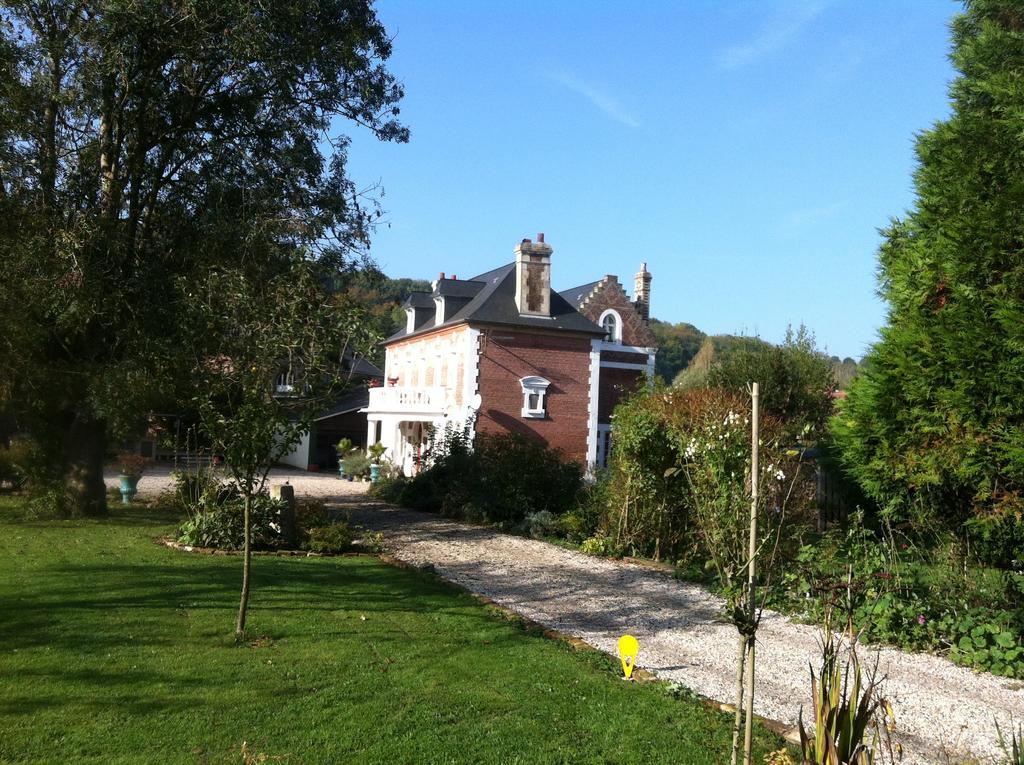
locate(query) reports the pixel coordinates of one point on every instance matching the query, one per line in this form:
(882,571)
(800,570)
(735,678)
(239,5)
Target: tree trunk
(737,725)
(748,731)
(243,605)
(85,449)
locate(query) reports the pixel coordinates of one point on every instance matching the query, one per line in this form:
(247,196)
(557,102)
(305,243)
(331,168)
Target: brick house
(507,351)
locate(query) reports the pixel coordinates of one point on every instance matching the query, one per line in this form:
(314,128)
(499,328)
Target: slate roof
(577,295)
(493,301)
(354,400)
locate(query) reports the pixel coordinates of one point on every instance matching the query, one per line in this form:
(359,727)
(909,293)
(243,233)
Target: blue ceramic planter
(374,473)
(129,487)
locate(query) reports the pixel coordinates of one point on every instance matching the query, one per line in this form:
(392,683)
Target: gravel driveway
(325,486)
(944,713)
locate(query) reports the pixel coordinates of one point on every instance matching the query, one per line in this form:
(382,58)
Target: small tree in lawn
(248,331)
(738,522)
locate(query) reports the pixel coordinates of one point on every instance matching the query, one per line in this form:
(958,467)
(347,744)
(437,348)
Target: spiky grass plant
(1014,752)
(850,715)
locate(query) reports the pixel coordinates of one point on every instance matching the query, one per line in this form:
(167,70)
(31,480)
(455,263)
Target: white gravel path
(944,713)
(325,486)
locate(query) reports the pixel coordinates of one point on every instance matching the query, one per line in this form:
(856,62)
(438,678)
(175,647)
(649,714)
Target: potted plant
(132,468)
(376,452)
(343,448)
(356,465)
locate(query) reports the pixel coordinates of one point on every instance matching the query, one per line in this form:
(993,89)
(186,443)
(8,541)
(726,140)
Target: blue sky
(747,151)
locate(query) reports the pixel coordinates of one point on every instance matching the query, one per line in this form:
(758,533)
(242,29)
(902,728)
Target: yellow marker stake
(628,650)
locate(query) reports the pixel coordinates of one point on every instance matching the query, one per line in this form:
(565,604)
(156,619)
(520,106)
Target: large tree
(934,422)
(141,144)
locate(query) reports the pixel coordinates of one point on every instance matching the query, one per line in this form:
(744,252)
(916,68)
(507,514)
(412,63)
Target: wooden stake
(755,427)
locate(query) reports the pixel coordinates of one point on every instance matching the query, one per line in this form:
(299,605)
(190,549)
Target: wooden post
(755,475)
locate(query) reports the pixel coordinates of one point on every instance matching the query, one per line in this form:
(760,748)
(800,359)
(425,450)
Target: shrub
(389,488)
(192,487)
(356,464)
(311,514)
(502,480)
(223,527)
(679,453)
(584,520)
(333,538)
(372,542)
(15,464)
(542,524)
(518,476)
(601,545)
(895,592)
(998,540)
(796,382)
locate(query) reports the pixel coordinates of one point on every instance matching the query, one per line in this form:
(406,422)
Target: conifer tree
(933,427)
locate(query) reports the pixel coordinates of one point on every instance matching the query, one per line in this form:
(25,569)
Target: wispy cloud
(603,100)
(773,36)
(799,221)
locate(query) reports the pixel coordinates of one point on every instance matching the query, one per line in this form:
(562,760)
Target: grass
(118,650)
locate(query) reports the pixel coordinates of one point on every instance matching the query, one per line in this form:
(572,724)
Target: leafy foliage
(679,469)
(843,371)
(223,526)
(141,145)
(795,377)
(847,707)
(920,598)
(383,297)
(332,538)
(493,478)
(356,464)
(677,345)
(711,351)
(933,427)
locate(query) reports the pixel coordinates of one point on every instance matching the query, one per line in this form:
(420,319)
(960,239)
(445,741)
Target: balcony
(400,400)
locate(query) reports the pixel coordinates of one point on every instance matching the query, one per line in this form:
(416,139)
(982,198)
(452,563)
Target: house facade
(505,351)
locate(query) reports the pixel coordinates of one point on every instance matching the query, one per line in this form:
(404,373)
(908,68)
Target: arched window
(611,323)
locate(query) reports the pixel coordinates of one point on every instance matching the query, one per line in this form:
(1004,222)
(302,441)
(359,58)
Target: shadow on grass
(82,607)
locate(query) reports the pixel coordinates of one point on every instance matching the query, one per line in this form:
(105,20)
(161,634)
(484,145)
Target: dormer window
(534,397)
(285,382)
(611,323)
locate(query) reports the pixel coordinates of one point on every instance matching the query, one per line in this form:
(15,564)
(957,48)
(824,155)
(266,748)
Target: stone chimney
(533,277)
(642,293)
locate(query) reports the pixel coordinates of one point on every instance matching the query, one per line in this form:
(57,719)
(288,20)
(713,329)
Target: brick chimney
(642,293)
(533,277)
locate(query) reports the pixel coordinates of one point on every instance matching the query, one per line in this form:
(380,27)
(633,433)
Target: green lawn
(116,650)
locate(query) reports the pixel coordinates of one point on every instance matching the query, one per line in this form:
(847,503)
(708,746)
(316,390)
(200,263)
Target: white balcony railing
(412,400)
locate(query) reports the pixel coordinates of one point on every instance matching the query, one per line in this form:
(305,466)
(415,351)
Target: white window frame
(534,386)
(285,382)
(615,335)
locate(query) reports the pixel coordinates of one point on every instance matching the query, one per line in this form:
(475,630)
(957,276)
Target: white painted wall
(299,456)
